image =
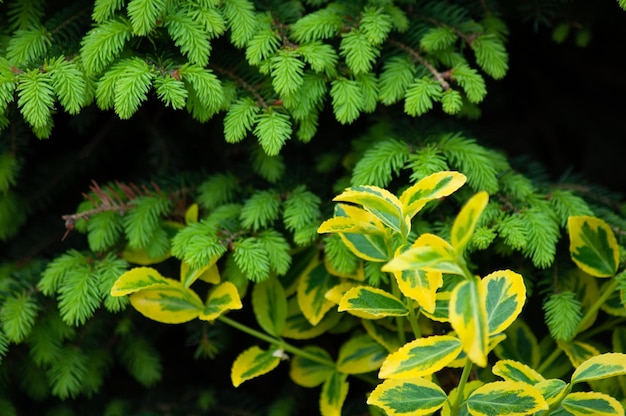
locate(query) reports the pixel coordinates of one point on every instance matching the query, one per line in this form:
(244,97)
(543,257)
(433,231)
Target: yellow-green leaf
(468,317)
(334,392)
(578,352)
(188,274)
(552,390)
(360,354)
(614,304)
(384,336)
(506,294)
(421,286)
(429,252)
(223,297)
(358,274)
(442,308)
(601,366)
(298,327)
(252,363)
(408,397)
(592,403)
(348,225)
(309,373)
(380,202)
(138,278)
(505,398)
(373,301)
(515,371)
(269,304)
(421,357)
(593,246)
(191,215)
(370,247)
(171,304)
(435,186)
(315,281)
(141,257)
(465,222)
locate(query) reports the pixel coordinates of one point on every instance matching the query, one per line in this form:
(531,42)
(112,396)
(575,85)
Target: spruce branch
(242,83)
(439,76)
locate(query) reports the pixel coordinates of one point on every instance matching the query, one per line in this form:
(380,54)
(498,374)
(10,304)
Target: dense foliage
(297,162)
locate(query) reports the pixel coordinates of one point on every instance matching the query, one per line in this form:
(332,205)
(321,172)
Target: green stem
(413,319)
(454,410)
(395,290)
(276,341)
(596,306)
(549,360)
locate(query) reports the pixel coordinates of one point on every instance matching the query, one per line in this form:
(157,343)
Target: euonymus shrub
(430,318)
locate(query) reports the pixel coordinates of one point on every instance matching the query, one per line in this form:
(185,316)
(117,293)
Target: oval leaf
(172,304)
(373,301)
(592,403)
(370,247)
(309,373)
(599,367)
(429,252)
(421,357)
(360,354)
(334,392)
(312,288)
(380,202)
(269,304)
(222,298)
(384,336)
(593,246)
(435,186)
(468,317)
(298,327)
(465,222)
(511,370)
(252,363)
(415,396)
(506,398)
(578,352)
(506,294)
(552,390)
(188,274)
(421,286)
(138,278)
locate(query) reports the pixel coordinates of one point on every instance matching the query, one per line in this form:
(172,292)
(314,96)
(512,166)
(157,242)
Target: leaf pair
(172,301)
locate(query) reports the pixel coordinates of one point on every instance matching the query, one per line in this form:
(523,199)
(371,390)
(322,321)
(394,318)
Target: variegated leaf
(188,274)
(314,283)
(520,345)
(252,363)
(465,222)
(334,392)
(360,354)
(599,367)
(506,398)
(269,304)
(380,202)
(384,336)
(372,301)
(171,304)
(515,371)
(429,252)
(435,186)
(468,389)
(578,352)
(468,317)
(593,246)
(421,286)
(307,372)
(370,247)
(506,294)
(421,357)
(138,278)
(414,396)
(298,327)
(552,390)
(442,308)
(592,403)
(222,298)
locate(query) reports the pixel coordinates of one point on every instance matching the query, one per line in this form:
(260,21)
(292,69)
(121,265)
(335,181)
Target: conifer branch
(243,83)
(439,76)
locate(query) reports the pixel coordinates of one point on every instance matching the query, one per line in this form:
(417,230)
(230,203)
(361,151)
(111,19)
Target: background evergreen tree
(116,116)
